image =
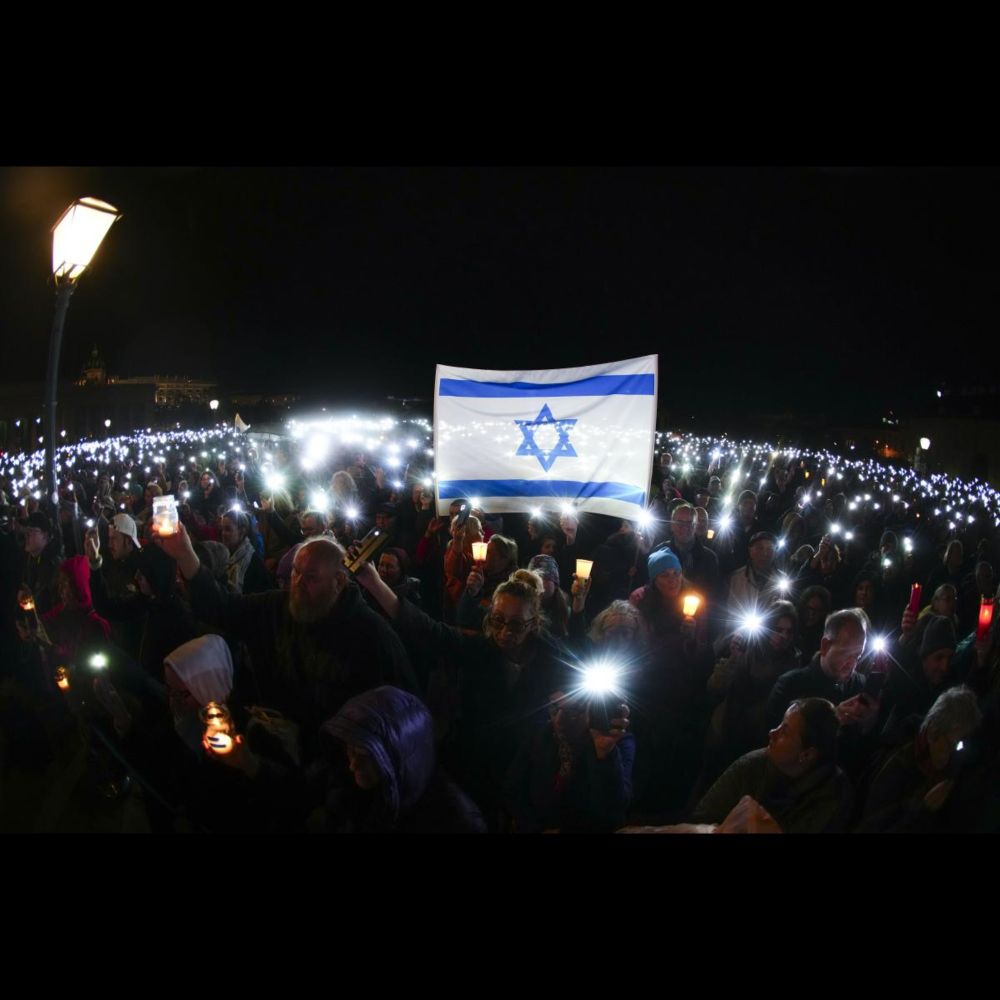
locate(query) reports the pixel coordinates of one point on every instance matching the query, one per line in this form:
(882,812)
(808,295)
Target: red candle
(985,618)
(915,598)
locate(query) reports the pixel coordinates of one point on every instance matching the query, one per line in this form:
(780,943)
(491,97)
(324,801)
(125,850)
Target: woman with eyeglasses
(506,674)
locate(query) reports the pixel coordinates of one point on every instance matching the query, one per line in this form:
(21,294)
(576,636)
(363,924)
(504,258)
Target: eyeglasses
(515,626)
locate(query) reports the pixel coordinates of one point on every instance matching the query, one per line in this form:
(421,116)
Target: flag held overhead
(579,435)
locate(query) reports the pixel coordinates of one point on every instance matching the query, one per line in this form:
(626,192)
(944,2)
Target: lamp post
(75,239)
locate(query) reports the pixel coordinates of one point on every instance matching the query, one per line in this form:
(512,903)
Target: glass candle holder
(165,520)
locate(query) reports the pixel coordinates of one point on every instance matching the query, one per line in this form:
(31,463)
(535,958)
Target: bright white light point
(961,743)
(784,583)
(473,501)
(393,462)
(781,543)
(318,500)
(835,529)
(600,678)
(566,508)
(849,535)
(99,661)
(878,644)
(753,622)
(426,481)
(725,523)
(353,512)
(396,484)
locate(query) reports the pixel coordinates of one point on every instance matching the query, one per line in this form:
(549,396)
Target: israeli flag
(528,439)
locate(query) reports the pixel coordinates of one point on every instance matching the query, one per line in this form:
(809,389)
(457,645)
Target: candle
(583,568)
(165,515)
(985,618)
(711,533)
(220,743)
(27,604)
(479,551)
(691,605)
(62,678)
(915,598)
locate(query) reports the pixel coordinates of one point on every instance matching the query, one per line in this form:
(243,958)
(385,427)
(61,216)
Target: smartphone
(463,515)
(367,548)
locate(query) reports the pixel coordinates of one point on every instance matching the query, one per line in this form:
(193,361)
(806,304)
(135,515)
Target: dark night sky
(764,288)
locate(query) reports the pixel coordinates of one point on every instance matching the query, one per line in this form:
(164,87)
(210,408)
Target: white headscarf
(205,667)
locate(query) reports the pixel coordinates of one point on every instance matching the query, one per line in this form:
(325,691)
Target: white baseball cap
(126,526)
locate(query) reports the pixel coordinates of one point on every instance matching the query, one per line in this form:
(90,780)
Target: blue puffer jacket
(413,795)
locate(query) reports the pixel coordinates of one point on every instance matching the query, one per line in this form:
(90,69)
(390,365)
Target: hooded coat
(72,628)
(413,795)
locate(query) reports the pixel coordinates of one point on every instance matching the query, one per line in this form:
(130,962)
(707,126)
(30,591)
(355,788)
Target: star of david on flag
(524,439)
(530,447)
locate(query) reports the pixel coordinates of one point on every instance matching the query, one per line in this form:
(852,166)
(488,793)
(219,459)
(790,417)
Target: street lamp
(75,239)
(925,443)
(213,405)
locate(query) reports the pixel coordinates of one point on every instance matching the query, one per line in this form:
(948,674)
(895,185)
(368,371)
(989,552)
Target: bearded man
(312,647)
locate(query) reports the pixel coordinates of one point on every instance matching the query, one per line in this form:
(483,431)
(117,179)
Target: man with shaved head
(312,647)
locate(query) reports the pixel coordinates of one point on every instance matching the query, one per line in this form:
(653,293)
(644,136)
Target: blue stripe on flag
(597,385)
(561,488)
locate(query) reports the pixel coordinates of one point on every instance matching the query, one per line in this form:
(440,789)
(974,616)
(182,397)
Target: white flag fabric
(527,439)
(239,425)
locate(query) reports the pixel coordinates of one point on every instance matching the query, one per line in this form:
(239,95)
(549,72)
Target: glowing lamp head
(78,234)
(213,405)
(98,661)
(925,444)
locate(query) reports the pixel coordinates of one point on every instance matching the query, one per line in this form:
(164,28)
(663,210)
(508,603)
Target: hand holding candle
(914,605)
(691,604)
(583,568)
(479,551)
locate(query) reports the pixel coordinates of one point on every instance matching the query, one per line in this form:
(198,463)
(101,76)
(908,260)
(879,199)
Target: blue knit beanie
(660,561)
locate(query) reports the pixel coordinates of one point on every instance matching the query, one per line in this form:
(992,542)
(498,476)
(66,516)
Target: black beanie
(939,634)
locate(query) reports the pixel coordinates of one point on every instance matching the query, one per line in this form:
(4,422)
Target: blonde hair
(526,585)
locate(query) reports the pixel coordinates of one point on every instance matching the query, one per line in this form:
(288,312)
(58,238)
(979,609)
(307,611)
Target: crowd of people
(734,660)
